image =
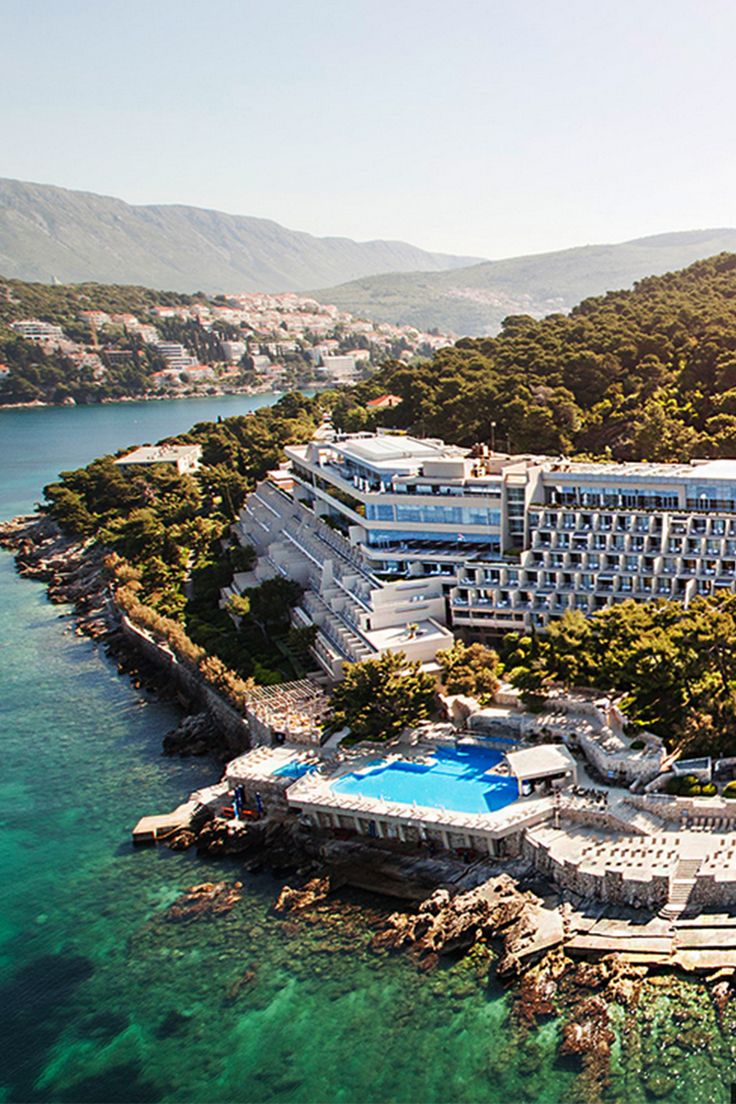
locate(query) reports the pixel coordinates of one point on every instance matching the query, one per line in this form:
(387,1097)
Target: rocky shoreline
(74,574)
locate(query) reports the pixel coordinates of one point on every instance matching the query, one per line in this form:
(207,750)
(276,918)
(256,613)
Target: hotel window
(599,541)
(379,511)
(718,527)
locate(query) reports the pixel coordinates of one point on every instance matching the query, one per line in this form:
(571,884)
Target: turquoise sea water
(102,997)
(454,778)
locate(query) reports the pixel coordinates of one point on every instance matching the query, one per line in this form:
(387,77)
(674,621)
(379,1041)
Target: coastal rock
(589,1033)
(508,965)
(180,841)
(292,900)
(206,899)
(445,923)
(196,735)
(225,837)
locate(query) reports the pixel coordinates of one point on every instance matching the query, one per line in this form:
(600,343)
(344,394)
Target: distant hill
(476,299)
(49,233)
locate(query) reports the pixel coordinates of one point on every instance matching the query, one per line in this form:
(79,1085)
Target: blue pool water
(454,778)
(295,769)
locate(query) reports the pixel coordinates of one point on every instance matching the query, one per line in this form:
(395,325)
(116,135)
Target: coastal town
(227,345)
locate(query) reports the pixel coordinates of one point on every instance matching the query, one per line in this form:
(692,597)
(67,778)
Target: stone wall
(610,886)
(710,891)
(672,809)
(232,724)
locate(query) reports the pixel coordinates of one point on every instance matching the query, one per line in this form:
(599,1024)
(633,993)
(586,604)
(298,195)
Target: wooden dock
(149,829)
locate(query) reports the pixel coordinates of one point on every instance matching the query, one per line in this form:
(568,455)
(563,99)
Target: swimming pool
(295,768)
(454,779)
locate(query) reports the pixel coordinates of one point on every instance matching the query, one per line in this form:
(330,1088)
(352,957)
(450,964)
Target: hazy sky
(470,126)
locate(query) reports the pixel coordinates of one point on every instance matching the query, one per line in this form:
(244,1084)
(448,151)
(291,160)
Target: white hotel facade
(482,543)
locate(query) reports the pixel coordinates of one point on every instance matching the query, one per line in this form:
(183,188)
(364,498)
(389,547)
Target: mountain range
(475,300)
(49,233)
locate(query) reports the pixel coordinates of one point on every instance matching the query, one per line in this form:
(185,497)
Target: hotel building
(483,543)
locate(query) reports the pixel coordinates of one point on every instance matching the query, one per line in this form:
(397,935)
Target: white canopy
(542,761)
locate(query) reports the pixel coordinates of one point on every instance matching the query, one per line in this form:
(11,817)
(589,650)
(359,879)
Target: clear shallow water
(103,999)
(454,778)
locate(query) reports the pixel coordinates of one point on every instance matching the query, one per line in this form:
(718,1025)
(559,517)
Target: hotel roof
(158,454)
(695,469)
(387,450)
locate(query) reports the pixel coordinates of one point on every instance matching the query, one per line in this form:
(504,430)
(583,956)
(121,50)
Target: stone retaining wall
(192,684)
(609,885)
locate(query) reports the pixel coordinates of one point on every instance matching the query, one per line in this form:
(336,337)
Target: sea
(105,998)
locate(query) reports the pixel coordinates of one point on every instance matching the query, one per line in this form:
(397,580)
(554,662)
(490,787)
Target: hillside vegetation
(646,374)
(475,300)
(51,233)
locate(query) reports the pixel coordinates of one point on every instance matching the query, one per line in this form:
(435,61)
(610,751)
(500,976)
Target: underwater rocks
(292,900)
(207,899)
(235,988)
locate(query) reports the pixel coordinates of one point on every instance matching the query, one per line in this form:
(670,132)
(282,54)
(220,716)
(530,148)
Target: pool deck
(315,794)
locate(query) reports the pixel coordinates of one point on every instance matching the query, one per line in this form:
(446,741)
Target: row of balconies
(643,587)
(627,522)
(702,563)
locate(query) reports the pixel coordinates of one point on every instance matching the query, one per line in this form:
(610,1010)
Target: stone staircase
(681,886)
(335,628)
(639,820)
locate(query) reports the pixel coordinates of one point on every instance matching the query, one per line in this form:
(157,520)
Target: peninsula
(496,683)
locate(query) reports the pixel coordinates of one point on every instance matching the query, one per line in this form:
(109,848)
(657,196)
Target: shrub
(709,789)
(637,745)
(729,791)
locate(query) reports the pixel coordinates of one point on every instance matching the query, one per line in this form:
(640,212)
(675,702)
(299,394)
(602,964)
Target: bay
(102,998)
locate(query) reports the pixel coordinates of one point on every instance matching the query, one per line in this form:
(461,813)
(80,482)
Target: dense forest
(643,374)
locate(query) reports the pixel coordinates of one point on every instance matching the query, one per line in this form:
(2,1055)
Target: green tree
(380,697)
(470,669)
